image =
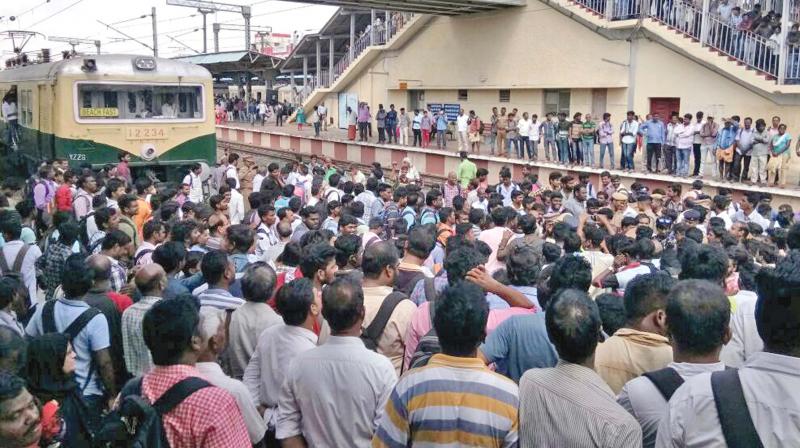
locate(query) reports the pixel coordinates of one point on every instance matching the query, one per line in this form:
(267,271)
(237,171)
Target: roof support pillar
(371,27)
(330,62)
(319,62)
(352,35)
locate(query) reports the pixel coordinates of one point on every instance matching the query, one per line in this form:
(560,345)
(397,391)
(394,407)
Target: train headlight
(145,63)
(148,152)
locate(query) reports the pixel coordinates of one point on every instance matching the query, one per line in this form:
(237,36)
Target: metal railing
(382,35)
(710,30)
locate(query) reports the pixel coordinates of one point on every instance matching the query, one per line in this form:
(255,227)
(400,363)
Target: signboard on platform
(450,110)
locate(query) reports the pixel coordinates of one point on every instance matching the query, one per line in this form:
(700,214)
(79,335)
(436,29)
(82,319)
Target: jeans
(669,159)
(12,129)
(588,152)
(563,150)
(610,147)
(698,158)
(741,166)
(524,146)
(575,153)
(441,141)
(513,141)
(533,150)
(626,159)
(381,134)
(490,141)
(417,137)
(709,157)
(363,131)
(653,154)
(551,150)
(317,127)
(682,157)
(391,133)
(278,120)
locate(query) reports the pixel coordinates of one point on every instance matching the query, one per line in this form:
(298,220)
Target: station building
(544,56)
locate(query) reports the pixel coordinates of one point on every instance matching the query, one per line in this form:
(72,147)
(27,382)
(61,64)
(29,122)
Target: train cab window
(139,102)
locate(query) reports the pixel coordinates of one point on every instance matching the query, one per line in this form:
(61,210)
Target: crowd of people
(343,308)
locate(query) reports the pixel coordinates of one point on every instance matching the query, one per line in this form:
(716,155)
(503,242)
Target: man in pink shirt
(466,263)
(498,236)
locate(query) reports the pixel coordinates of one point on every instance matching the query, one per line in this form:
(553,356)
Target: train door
(45,138)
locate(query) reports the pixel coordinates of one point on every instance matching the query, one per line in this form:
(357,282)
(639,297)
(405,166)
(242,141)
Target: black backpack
(72,331)
(83,233)
(429,344)
(136,423)
(15,270)
(734,416)
(373,332)
(666,380)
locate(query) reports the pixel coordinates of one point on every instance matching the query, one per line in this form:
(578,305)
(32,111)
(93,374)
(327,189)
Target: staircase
(347,69)
(743,56)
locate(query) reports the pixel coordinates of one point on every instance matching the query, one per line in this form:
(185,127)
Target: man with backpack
(16,257)
(189,411)
(82,202)
(758,404)
(88,332)
(430,213)
(410,271)
(698,317)
(387,311)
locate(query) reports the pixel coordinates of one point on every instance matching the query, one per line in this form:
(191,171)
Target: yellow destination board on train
(99,112)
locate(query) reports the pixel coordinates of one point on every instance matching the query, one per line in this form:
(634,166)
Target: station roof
(436,7)
(234,61)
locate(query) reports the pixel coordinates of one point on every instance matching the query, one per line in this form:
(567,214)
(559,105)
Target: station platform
(288,141)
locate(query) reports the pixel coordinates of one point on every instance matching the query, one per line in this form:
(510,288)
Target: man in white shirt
(167,109)
(524,126)
(278,345)
(265,232)
(236,204)
(192,179)
(322,112)
(211,330)
(462,125)
(765,387)
(312,401)
(748,213)
(697,317)
(721,211)
(17,256)
(534,136)
(231,171)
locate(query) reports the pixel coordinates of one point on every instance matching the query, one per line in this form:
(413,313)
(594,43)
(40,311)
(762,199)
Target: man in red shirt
(65,191)
(209,417)
(123,170)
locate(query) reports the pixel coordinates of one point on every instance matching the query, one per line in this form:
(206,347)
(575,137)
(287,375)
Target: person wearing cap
(657,207)
(708,134)
(644,203)
(619,202)
(692,218)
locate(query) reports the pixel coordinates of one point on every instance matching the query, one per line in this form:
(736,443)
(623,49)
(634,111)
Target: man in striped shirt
(569,404)
(455,399)
(219,272)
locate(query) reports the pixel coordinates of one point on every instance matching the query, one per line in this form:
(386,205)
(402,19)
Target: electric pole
(155,32)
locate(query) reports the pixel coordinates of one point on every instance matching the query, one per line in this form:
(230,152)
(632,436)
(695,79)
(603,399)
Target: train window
(139,102)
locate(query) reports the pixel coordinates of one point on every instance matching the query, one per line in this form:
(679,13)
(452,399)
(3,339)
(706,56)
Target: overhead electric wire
(32,8)
(55,13)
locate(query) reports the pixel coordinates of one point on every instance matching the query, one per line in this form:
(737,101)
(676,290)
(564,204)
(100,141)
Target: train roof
(107,65)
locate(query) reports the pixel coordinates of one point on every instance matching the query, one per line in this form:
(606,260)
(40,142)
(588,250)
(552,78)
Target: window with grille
(556,101)
(463,95)
(505,96)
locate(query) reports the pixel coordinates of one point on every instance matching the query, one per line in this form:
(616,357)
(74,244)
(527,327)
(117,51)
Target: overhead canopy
(234,62)
(437,7)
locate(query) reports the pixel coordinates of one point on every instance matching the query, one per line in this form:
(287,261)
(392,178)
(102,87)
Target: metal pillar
(204,12)
(293,87)
(155,32)
(372,27)
(703,23)
(305,71)
(246,14)
(387,26)
(352,34)
(97,44)
(330,61)
(784,48)
(319,63)
(216,28)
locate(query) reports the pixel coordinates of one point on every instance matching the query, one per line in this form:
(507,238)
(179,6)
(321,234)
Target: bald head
(100,266)
(151,280)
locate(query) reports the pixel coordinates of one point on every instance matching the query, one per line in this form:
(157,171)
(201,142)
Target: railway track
(270,154)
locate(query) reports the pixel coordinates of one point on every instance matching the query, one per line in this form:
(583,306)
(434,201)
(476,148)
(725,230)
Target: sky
(79,19)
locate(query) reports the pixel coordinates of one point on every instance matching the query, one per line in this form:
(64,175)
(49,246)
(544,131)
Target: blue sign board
(450,110)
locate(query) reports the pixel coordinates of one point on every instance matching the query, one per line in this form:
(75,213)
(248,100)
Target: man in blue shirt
(655,132)
(441,130)
(94,369)
(726,138)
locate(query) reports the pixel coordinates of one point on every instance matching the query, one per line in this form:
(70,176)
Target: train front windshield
(139,102)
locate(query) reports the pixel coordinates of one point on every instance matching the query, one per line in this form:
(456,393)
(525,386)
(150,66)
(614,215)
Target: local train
(91,109)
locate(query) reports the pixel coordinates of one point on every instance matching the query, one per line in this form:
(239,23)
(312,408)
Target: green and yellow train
(91,109)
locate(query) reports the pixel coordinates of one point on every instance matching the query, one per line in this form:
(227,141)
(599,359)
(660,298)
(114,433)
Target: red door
(665,106)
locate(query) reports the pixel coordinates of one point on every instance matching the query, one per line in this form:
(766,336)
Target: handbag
(725,155)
